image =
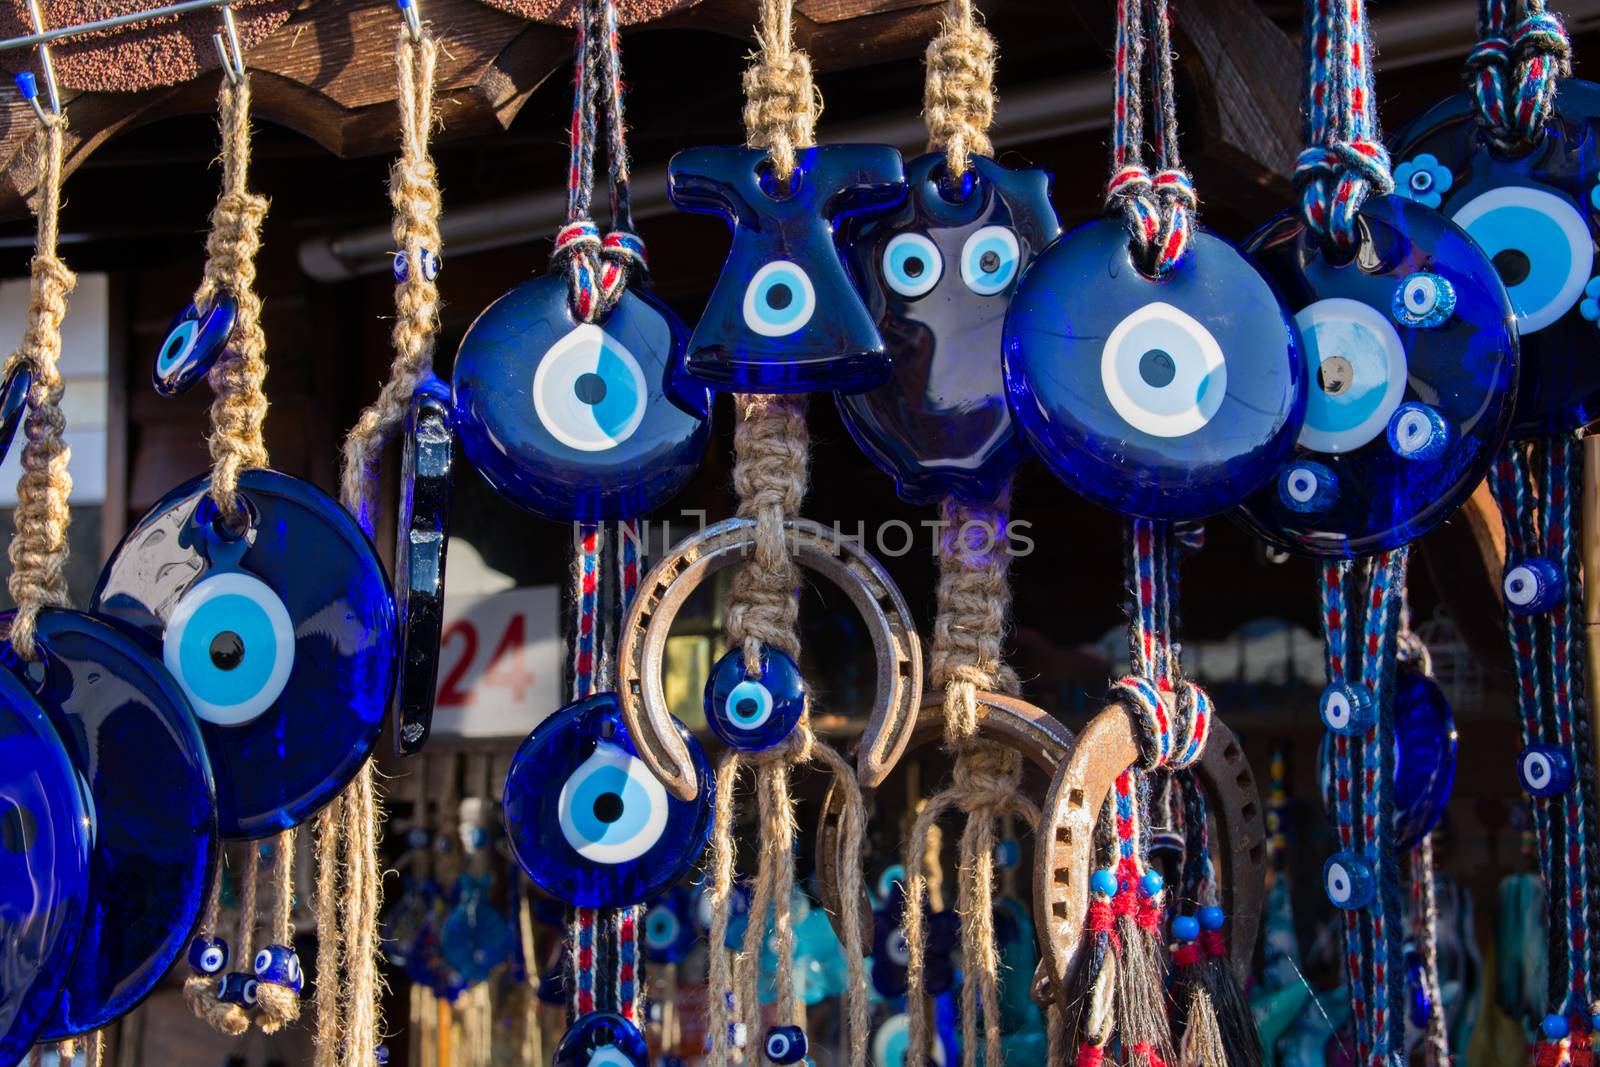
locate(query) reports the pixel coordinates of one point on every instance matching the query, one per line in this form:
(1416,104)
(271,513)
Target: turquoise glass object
(783,317)
(475,937)
(282,638)
(13,405)
(193,342)
(1170,398)
(669,933)
(937,274)
(601,1039)
(126,725)
(1537,218)
(46,821)
(1410,390)
(572,420)
(754,714)
(426,460)
(587,820)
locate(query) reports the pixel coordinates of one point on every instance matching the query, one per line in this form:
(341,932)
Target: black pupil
(746,708)
(608,807)
(914,267)
(1512,265)
(779,297)
(227,650)
(1157,368)
(989,262)
(590,388)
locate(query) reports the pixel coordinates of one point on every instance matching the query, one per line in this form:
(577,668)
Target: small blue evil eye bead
(1544,770)
(1185,928)
(1555,1028)
(431,265)
(1308,487)
(237,988)
(208,955)
(380,1056)
(601,1039)
(1212,918)
(754,714)
(1347,879)
(1424,300)
(1151,883)
(1532,586)
(1418,432)
(1423,179)
(194,341)
(1346,709)
(785,1044)
(1103,883)
(280,965)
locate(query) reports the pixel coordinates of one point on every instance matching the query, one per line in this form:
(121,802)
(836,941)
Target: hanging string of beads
(1344,161)
(1512,72)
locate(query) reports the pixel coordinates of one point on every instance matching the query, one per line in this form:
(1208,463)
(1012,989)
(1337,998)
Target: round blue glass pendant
(427,457)
(1425,756)
(601,1039)
(131,736)
(669,932)
(937,273)
(282,638)
(572,420)
(193,343)
(1537,218)
(1168,399)
(588,821)
(754,714)
(46,825)
(1410,359)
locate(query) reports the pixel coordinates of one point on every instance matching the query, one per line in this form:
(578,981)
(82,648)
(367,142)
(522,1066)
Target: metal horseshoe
(727,544)
(1064,854)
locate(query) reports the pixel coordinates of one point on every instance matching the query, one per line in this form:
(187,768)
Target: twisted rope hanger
(958,89)
(1512,72)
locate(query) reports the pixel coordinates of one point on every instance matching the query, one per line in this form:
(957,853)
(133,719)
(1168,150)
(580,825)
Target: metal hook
(27,85)
(408,8)
(229,52)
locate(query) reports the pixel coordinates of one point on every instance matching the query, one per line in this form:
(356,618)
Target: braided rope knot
(1543,35)
(1173,726)
(1334,180)
(597,269)
(781,104)
(1159,210)
(958,94)
(1490,53)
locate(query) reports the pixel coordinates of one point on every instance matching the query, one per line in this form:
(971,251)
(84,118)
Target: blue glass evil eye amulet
(937,273)
(282,637)
(754,714)
(1169,398)
(571,420)
(589,822)
(46,822)
(193,343)
(783,317)
(426,461)
(1411,361)
(1537,217)
(601,1039)
(130,735)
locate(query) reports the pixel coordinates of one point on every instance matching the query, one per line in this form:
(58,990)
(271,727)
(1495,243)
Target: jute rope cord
(781,102)
(238,378)
(349,1021)
(958,91)
(279,1005)
(200,990)
(39,548)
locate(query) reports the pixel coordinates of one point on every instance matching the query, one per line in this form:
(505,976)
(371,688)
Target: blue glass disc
(754,714)
(601,1039)
(1168,399)
(587,820)
(283,640)
(937,273)
(46,823)
(571,420)
(1425,756)
(427,457)
(193,343)
(131,736)
(783,317)
(1366,360)
(1538,219)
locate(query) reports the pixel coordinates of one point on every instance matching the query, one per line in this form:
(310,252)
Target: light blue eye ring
(661,927)
(229,643)
(1418,432)
(1539,244)
(912,265)
(1544,770)
(589,391)
(1163,371)
(1308,487)
(612,809)
(990,260)
(1424,300)
(749,705)
(1357,368)
(779,300)
(193,343)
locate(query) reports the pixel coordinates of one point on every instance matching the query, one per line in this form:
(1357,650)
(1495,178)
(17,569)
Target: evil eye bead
(754,714)
(1185,928)
(1539,244)
(230,644)
(661,927)
(402,266)
(1418,432)
(1423,179)
(193,342)
(1532,586)
(589,391)
(895,948)
(208,955)
(1424,300)
(892,1040)
(668,933)
(990,260)
(13,404)
(431,264)
(785,1045)
(1347,879)
(912,265)
(280,965)
(1163,371)
(601,1039)
(1308,487)
(238,988)
(779,300)
(1359,373)
(1544,770)
(1347,709)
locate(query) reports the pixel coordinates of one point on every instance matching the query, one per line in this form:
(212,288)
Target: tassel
(1200,1042)
(1141,984)
(1240,1042)
(1097,978)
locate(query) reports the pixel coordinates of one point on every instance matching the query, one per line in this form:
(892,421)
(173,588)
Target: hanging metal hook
(409,9)
(27,85)
(229,52)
